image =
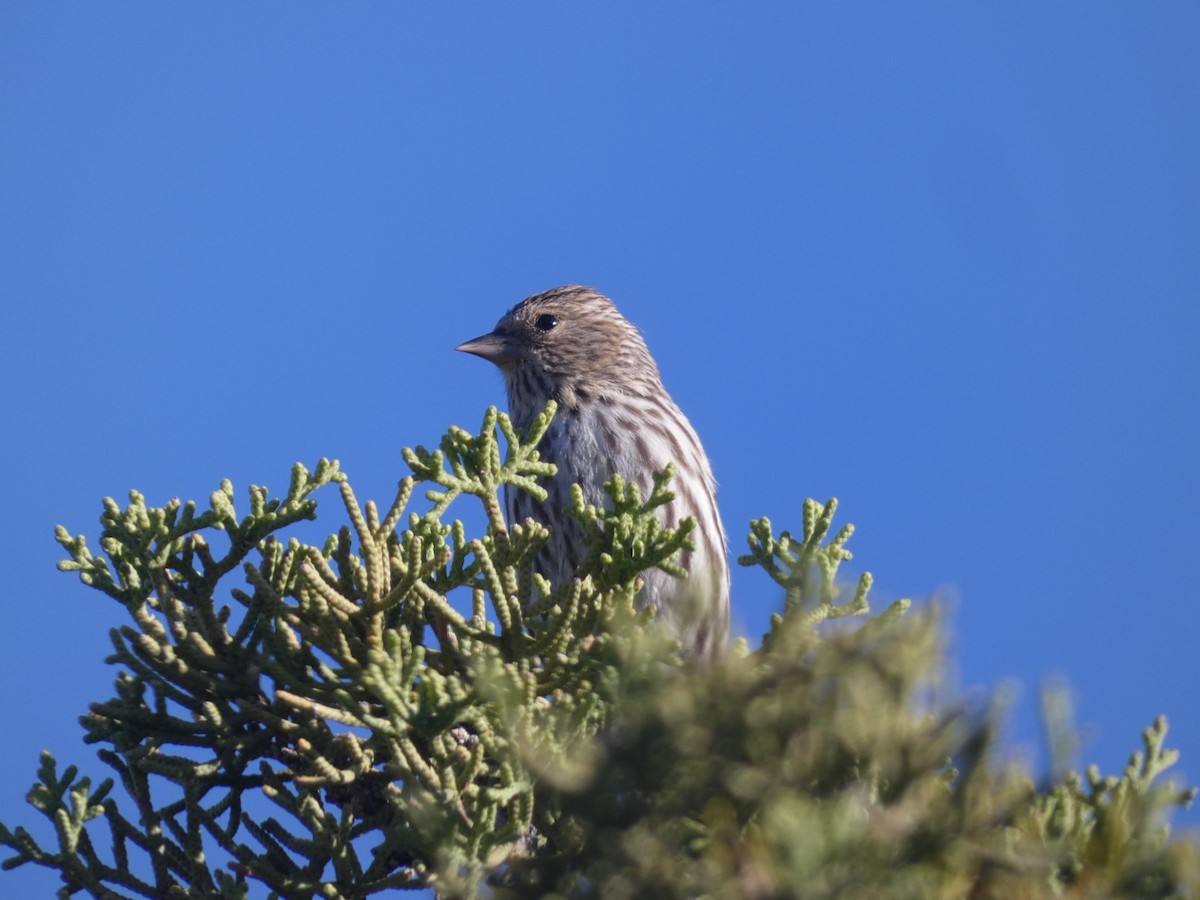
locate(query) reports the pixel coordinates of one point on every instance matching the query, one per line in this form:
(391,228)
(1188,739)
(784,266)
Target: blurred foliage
(410,707)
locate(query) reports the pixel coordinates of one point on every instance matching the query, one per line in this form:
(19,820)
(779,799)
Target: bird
(570,344)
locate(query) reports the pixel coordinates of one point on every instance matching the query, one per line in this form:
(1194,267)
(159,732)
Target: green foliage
(406,706)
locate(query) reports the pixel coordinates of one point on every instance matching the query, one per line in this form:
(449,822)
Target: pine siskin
(570,344)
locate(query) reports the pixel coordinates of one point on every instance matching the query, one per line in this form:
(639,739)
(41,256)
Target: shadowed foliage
(407,706)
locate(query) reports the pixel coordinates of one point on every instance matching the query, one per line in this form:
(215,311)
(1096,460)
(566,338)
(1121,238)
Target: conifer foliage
(408,706)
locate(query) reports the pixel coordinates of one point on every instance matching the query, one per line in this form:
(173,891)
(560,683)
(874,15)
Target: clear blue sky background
(939,261)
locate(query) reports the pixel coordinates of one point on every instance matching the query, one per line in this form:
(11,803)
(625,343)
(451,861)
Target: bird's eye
(545,322)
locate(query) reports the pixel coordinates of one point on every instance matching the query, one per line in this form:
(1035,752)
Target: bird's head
(569,344)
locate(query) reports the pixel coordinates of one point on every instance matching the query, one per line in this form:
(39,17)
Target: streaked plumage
(570,344)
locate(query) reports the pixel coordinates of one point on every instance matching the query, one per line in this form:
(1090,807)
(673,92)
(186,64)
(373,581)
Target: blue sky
(939,261)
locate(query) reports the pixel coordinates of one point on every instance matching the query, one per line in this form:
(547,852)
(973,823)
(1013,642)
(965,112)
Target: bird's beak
(495,348)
